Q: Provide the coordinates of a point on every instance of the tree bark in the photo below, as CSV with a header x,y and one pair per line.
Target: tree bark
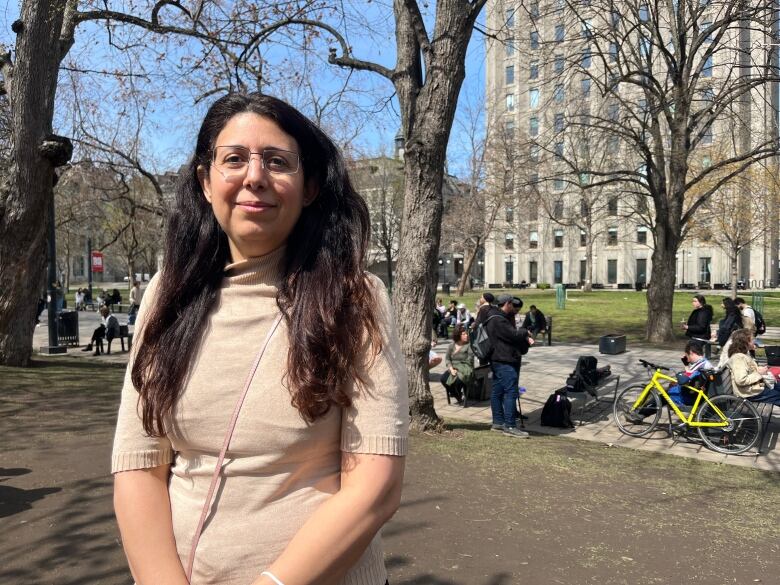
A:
x,y
28,186
467,265
660,291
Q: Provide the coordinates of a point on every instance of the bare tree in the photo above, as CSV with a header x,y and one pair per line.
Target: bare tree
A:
x,y
666,75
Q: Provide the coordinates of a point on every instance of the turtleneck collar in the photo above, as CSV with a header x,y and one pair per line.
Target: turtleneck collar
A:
x,y
266,269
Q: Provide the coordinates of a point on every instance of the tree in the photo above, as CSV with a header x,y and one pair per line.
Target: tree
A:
x,y
667,75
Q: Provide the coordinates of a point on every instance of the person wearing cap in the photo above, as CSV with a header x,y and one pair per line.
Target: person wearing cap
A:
x,y
509,346
462,316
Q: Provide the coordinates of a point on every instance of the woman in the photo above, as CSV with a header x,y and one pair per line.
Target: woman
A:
x,y
699,320
459,360
748,379
266,230
730,323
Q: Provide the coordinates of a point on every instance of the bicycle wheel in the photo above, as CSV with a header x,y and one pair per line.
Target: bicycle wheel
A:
x,y
637,421
743,430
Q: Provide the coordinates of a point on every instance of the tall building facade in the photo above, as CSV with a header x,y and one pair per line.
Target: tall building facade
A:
x,y
548,65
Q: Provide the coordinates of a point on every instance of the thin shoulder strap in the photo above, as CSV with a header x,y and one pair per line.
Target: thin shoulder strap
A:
x,y
226,443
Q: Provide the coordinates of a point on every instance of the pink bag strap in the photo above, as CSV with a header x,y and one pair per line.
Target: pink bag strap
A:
x,y
217,470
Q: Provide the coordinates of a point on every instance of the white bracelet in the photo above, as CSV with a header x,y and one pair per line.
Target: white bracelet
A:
x,y
272,577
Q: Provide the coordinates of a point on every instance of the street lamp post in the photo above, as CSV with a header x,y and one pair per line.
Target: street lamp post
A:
x,y
54,346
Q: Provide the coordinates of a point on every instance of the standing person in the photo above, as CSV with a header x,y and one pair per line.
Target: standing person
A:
x,y
459,360
730,322
535,322
509,346
135,302
483,306
264,257
79,300
699,320
748,315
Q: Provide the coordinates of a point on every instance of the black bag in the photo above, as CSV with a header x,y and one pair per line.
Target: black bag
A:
x,y
557,411
760,323
481,344
585,375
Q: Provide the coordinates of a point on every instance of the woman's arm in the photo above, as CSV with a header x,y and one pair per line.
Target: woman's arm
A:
x,y
336,535
143,511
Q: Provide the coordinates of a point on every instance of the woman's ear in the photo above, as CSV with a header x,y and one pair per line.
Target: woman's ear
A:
x,y
310,192
205,183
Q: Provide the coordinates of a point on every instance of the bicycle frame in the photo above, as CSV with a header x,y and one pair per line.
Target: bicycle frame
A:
x,y
655,382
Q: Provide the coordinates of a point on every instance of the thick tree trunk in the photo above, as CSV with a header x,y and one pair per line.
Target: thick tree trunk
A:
x,y
27,188
467,266
589,265
660,291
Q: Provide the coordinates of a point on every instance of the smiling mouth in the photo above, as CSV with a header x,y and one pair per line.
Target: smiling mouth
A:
x,y
254,205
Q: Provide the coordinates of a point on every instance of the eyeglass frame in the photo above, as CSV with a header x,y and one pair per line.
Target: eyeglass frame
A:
x,y
261,154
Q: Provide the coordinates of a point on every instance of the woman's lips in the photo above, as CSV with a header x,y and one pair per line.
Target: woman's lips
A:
x,y
254,206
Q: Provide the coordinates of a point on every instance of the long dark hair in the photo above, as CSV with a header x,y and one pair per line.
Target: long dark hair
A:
x,y
324,286
731,307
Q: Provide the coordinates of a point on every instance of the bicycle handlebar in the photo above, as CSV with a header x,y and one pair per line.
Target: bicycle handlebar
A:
x,y
647,364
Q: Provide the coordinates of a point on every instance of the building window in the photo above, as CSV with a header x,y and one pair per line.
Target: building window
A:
x,y
558,64
510,214
510,74
509,241
586,58
558,271
510,47
584,208
611,271
510,17
584,179
706,161
533,98
558,149
558,211
559,123
509,127
612,205
533,126
560,33
585,86
705,269
533,272
509,270
641,235
644,13
613,112
612,236
587,29
558,184
612,145
558,93
583,271
534,39
534,10
615,18
583,238
534,155
706,137
533,70
613,52
533,240
708,37
558,238
707,69
510,102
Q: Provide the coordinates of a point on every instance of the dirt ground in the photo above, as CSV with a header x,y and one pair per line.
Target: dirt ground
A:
x,y
479,508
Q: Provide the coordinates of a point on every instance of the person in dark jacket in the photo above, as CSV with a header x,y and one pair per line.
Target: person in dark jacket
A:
x,y
509,345
730,323
535,321
699,320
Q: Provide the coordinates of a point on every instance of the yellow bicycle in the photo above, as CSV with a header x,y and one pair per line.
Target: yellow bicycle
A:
x,y
726,423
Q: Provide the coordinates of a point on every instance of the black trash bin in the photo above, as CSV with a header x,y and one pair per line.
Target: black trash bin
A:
x,y
68,328
445,288
639,286
612,344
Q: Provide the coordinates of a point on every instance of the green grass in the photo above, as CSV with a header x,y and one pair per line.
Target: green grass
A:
x,y
588,316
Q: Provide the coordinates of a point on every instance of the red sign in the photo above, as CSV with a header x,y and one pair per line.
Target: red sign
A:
x,y
97,261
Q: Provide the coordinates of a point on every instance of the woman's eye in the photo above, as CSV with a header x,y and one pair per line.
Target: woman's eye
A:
x,y
277,162
233,159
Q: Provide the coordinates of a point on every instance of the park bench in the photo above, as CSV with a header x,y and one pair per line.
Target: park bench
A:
x,y
123,334
581,400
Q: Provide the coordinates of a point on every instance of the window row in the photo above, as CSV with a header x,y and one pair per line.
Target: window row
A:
x,y
558,236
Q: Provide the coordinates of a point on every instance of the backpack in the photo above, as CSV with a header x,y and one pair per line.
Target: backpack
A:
x,y
585,375
481,344
760,323
557,411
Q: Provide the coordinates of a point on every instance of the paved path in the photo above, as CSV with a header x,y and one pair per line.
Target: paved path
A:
x,y
545,369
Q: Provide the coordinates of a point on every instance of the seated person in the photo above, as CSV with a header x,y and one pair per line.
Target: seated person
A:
x,y
535,321
695,364
748,379
462,316
460,364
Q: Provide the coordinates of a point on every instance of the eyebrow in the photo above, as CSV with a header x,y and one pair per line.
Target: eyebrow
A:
x,y
264,148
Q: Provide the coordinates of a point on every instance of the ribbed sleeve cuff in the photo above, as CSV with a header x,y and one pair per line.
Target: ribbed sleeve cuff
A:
x,y
354,442
369,571
132,460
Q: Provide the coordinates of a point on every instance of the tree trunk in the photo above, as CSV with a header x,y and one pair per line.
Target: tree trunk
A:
x,y
589,267
467,265
27,188
733,262
427,113
660,291
389,262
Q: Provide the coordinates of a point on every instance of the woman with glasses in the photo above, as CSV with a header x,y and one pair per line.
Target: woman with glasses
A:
x,y
285,475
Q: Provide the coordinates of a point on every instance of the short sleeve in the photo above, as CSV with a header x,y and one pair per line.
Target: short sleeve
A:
x,y
133,448
378,420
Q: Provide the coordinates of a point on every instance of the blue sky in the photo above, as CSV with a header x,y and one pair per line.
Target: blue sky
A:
x,y
169,136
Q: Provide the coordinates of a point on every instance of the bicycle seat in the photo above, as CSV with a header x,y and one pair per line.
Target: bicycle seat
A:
x,y
647,364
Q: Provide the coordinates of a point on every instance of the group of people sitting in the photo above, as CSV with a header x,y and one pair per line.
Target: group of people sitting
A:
x,y
457,314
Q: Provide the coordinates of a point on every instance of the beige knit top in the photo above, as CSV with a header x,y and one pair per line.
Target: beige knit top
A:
x,y
279,468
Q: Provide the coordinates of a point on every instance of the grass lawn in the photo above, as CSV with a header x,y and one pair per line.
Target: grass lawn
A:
x,y
588,316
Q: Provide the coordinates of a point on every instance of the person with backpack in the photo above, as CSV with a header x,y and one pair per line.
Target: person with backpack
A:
x,y
508,345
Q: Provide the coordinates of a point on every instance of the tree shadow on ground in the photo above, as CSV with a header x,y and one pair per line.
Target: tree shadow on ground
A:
x,y
14,500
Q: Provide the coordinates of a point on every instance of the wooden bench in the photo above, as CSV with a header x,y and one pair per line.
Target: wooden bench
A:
x,y
123,334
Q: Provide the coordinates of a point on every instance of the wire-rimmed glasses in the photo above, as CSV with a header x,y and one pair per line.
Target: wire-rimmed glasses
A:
x,y
232,161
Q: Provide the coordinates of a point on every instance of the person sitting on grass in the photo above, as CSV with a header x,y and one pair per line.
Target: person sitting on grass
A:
x,y
460,364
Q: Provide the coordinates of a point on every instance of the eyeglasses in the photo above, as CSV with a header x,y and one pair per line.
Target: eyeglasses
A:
x,y
232,162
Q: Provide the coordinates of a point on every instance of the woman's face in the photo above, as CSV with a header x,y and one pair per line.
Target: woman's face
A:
x,y
464,336
696,303
258,212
